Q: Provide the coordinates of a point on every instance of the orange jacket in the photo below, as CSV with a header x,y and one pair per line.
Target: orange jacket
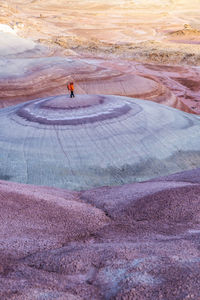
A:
x,y
70,87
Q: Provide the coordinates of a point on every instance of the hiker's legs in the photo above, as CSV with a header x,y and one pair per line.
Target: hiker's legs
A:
x,y
72,93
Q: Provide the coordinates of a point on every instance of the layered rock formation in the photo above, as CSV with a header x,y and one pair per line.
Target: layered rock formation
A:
x,y
30,70
13,46
95,140
22,79
131,241
139,241
131,29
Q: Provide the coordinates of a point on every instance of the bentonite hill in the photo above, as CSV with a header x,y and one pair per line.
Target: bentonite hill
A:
x,y
136,241
100,194
95,140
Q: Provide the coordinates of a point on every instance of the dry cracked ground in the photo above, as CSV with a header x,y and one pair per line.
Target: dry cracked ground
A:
x,y
77,219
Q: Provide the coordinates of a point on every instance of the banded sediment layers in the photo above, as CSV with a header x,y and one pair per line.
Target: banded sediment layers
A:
x,y
29,70
96,240
137,31
137,241
95,140
23,79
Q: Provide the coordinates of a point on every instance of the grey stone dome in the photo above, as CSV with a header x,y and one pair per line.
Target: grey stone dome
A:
x,y
95,140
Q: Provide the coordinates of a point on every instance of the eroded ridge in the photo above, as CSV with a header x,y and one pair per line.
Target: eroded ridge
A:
x,y
136,241
95,140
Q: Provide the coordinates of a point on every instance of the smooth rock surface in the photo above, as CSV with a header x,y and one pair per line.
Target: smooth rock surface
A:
x,y
95,140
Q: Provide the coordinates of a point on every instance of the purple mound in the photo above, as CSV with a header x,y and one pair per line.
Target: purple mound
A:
x,y
85,109
138,241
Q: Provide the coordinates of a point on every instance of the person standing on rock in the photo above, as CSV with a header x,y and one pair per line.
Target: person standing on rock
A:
x,y
70,87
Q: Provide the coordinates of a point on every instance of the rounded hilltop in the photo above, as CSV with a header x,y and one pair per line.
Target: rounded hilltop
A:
x,y
141,238
95,140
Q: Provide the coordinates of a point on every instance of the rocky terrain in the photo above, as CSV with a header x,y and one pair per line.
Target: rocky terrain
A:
x,y
132,29
110,140
130,38
117,229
